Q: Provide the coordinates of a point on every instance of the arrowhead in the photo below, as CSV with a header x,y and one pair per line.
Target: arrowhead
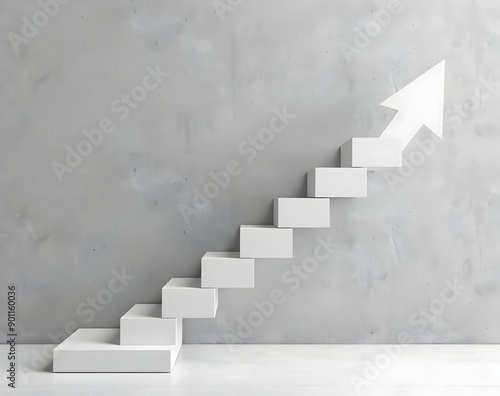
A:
x,y
423,99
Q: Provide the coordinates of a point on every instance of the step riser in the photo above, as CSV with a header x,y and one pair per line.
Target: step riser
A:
x,y
266,242
189,301
227,272
337,183
115,362
99,351
302,212
151,329
372,153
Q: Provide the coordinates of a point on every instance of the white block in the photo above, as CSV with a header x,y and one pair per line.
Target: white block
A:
x,y
265,242
337,182
99,351
302,212
144,325
184,298
227,270
372,153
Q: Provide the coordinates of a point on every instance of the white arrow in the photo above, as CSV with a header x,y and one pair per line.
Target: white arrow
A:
x,y
419,103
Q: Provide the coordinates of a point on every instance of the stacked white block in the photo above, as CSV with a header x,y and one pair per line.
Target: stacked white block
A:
x,y
302,212
185,298
261,241
143,324
372,153
337,182
99,351
227,270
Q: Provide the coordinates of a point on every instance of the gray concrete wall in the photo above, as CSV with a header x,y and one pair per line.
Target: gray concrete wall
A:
x,y
420,255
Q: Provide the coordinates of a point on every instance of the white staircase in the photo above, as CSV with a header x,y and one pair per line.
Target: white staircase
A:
x,y
150,335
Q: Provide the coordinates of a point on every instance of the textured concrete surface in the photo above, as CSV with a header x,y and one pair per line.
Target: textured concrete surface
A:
x,y
83,242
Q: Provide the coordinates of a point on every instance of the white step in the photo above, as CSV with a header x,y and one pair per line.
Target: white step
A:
x,y
143,324
185,298
372,153
227,270
99,351
302,212
337,182
263,241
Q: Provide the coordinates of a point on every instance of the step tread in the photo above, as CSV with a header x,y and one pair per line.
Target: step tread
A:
x,y
143,311
183,283
221,255
103,339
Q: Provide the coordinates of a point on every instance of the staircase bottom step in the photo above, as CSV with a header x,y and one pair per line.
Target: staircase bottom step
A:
x,y
99,351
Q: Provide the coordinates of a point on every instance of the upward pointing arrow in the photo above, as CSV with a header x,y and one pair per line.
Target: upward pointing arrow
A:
x,y
419,103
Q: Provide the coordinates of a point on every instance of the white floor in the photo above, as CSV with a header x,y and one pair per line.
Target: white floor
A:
x,y
206,370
